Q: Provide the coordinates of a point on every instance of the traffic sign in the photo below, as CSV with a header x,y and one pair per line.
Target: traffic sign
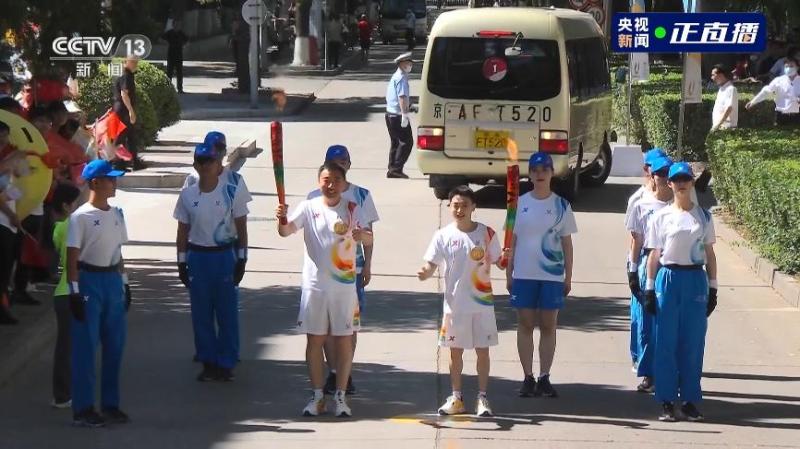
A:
x,y
598,13
254,12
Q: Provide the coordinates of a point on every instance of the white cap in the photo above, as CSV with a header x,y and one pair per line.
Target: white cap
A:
x,y
404,57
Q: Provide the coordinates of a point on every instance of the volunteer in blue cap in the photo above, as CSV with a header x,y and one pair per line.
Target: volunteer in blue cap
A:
x,y
539,274
651,202
217,141
681,291
339,155
212,254
647,185
99,296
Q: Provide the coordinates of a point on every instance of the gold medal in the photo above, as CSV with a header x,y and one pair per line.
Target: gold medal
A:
x,y
340,228
476,253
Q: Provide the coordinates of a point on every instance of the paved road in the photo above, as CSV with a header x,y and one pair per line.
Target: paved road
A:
x,y
752,371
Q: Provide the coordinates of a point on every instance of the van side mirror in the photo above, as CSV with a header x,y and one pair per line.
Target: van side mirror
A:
x,y
512,52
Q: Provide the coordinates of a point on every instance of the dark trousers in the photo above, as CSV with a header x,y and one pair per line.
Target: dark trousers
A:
x,y
175,67
8,243
335,48
787,119
127,138
32,224
410,42
401,142
62,363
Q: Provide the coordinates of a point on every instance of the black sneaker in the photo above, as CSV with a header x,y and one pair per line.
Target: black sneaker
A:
x,y
88,418
528,387
667,412
646,386
226,375
544,388
115,416
330,384
24,299
691,412
208,374
351,389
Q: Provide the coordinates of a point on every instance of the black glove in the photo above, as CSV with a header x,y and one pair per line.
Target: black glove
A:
x,y
633,283
650,302
238,272
77,305
128,297
183,273
712,301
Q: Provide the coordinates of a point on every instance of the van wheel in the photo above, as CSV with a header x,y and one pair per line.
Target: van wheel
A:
x,y
597,174
441,193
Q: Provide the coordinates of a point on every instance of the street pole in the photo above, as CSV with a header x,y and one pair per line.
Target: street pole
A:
x,y
253,66
681,108
325,31
630,83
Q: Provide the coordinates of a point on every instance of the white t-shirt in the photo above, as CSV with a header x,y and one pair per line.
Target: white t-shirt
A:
x,y
468,259
98,234
362,197
539,227
726,96
632,201
194,177
330,251
211,215
681,236
786,93
642,212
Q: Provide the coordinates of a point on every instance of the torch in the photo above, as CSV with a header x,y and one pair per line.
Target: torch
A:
x,y
512,196
277,162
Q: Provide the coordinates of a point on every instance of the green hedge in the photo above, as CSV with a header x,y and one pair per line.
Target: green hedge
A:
x,y
157,105
757,176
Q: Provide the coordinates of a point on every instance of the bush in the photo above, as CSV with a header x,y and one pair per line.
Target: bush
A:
x,y
97,97
659,115
757,176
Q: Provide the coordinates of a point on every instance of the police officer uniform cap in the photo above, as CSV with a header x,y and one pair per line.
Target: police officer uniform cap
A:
x,y
407,56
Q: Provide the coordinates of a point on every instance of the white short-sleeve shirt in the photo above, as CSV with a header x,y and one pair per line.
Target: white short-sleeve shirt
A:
x,y
363,198
98,234
211,215
642,212
194,177
726,96
467,259
539,228
632,201
680,235
330,250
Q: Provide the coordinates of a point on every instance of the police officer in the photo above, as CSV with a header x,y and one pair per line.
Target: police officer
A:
x,y
99,296
212,254
681,291
398,106
176,39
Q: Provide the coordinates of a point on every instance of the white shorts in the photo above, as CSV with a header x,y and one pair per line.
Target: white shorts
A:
x,y
329,312
469,330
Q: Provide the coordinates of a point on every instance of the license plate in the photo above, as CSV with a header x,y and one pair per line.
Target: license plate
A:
x,y
490,140
509,113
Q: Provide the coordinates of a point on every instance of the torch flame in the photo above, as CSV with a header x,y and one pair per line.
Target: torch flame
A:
x,y
279,99
513,152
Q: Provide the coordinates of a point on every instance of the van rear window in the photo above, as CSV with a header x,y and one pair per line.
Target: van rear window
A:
x,y
477,68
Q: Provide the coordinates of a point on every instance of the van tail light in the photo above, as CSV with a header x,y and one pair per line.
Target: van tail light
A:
x,y
554,142
430,138
496,33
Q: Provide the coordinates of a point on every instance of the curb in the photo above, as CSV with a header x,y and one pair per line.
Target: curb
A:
x,y
248,112
785,285
152,181
31,342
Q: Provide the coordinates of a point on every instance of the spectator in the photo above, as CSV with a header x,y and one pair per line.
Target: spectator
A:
x,y
786,89
777,69
333,28
726,107
767,59
125,100
411,24
176,39
8,224
364,37
64,201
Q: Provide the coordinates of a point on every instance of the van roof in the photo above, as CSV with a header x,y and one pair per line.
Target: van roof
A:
x,y
534,23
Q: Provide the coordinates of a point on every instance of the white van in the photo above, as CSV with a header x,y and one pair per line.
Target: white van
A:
x,y
538,76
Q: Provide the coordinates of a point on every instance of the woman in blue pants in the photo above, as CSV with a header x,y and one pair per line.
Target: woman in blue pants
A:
x,y
682,293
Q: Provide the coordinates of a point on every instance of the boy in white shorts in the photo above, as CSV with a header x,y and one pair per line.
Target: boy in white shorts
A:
x,y
332,228
467,249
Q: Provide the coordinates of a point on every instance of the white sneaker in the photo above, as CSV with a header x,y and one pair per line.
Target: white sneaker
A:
x,y
315,407
482,408
342,410
452,406
61,405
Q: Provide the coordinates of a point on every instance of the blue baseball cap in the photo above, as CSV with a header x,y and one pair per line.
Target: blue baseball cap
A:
x,y
660,163
540,159
100,168
213,138
653,154
679,169
203,150
337,152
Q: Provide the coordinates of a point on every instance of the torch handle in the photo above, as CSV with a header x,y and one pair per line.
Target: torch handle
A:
x,y
276,136
512,197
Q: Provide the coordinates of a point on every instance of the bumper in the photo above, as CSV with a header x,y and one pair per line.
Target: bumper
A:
x,y
437,163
